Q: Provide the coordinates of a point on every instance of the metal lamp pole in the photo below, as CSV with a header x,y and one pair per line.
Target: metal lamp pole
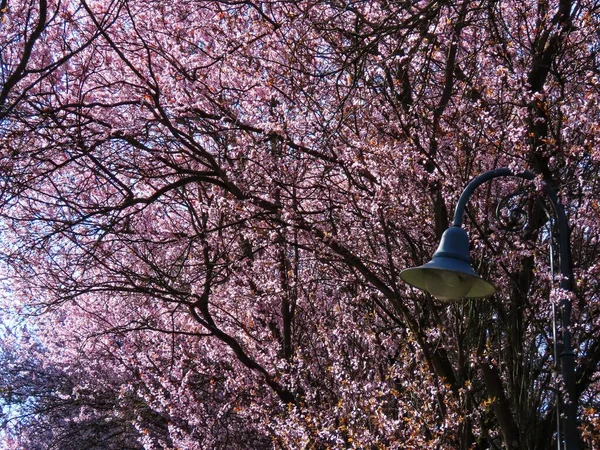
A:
x,y
450,277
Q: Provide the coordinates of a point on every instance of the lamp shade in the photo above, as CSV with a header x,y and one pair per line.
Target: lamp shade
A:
x,y
449,275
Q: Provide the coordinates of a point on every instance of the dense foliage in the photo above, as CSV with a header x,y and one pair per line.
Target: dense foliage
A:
x,y
205,207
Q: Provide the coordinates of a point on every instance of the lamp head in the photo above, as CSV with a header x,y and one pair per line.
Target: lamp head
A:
x,y
449,275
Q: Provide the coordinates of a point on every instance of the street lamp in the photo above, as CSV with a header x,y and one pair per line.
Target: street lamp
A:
x,y
450,277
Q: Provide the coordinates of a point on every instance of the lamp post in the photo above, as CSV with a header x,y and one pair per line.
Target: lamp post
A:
x,y
450,277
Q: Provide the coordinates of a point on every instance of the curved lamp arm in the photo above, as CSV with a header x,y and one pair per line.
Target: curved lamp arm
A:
x,y
459,212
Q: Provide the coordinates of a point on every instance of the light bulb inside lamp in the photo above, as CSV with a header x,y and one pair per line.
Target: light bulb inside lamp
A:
x,y
447,285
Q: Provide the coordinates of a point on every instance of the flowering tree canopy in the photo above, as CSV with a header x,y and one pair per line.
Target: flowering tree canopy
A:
x,y
205,207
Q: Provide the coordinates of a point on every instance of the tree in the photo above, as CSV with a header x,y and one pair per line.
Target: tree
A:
x,y
206,206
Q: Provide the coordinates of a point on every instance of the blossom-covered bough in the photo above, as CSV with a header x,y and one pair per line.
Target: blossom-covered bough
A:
x,y
205,208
